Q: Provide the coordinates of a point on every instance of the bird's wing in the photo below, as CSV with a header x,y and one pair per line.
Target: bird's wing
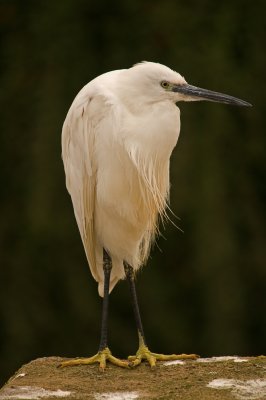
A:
x,y
78,138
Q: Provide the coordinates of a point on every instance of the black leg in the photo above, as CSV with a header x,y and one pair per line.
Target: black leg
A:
x,y
130,278
104,353
143,351
107,267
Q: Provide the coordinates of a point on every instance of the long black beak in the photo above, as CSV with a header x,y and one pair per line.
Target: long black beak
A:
x,y
196,93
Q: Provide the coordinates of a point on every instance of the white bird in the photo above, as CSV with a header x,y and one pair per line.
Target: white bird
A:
x,y
117,140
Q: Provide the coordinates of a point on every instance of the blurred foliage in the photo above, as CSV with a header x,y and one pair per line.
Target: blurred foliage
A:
x,y
203,290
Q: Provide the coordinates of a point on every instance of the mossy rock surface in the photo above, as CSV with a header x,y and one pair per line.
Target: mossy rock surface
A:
x,y
214,378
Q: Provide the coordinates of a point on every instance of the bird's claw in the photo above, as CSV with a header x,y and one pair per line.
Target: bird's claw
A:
x,y
144,353
101,357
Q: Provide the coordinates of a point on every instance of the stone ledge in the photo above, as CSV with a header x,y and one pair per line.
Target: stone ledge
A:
x,y
207,378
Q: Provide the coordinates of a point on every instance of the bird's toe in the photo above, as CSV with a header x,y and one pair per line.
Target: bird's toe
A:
x,y
101,357
144,353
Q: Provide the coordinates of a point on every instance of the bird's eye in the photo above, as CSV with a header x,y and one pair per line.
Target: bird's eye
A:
x,y
165,84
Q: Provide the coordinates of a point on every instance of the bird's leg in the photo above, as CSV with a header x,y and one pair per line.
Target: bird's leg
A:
x,y
104,353
131,280
107,268
143,352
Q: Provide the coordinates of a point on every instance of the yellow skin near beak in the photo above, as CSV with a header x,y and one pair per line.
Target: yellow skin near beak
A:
x,y
117,140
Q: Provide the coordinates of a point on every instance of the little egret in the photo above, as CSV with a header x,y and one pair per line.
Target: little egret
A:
x,y
117,140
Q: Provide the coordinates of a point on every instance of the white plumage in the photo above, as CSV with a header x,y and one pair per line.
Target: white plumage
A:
x,y
116,143
117,140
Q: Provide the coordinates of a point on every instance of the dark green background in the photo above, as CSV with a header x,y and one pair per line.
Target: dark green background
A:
x,y
203,290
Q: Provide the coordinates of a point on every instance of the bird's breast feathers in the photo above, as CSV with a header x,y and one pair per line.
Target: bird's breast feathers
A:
x,y
155,132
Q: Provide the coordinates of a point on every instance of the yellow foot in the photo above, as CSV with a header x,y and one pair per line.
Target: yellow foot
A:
x,y
144,353
101,357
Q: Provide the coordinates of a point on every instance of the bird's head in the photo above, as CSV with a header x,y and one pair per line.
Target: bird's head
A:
x,y
157,82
